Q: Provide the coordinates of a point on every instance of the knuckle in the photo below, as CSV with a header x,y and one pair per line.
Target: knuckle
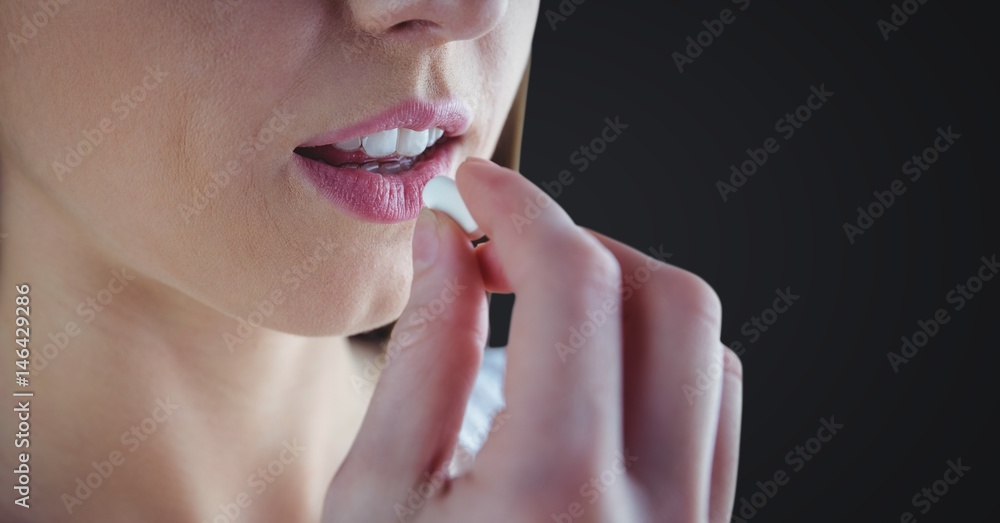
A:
x,y
733,365
695,298
585,262
553,481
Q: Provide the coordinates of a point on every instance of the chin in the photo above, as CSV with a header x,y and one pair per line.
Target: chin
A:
x,y
336,304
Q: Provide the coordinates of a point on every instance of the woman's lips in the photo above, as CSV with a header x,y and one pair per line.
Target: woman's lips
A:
x,y
377,169
365,192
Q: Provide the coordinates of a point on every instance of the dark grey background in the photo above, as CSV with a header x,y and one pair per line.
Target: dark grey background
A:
x,y
826,356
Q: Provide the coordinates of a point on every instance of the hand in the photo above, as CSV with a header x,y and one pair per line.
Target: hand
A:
x,y
622,404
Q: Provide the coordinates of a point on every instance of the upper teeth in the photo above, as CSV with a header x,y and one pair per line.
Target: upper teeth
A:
x,y
405,142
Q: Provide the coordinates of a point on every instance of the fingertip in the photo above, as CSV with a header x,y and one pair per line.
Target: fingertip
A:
x,y
475,161
479,169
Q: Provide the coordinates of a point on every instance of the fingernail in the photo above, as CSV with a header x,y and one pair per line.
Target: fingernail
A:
x,y
476,159
426,240
476,163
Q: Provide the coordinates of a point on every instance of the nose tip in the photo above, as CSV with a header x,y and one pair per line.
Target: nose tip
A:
x,y
436,21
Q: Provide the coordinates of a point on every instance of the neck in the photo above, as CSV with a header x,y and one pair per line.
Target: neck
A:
x,y
151,406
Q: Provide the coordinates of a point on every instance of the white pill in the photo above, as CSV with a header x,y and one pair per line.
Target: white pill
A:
x,y
441,194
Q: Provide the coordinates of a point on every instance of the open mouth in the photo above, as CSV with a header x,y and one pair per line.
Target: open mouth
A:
x,y
376,169
389,152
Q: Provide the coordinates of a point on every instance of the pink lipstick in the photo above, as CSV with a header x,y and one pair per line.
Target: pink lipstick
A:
x,y
377,169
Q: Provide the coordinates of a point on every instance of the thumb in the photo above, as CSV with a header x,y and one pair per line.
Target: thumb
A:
x,y
412,424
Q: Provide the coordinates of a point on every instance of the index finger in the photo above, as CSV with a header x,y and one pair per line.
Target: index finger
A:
x,y
564,350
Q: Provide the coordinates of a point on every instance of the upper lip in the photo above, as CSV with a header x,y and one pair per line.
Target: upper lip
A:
x,y
452,116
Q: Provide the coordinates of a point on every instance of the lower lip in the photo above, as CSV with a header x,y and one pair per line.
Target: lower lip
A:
x,y
379,198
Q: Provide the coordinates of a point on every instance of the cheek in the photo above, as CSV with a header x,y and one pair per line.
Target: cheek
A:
x,y
502,57
174,158
122,122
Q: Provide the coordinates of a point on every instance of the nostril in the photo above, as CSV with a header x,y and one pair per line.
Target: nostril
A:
x,y
414,25
428,22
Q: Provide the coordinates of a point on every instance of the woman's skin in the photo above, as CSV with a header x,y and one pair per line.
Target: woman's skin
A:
x,y
143,374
